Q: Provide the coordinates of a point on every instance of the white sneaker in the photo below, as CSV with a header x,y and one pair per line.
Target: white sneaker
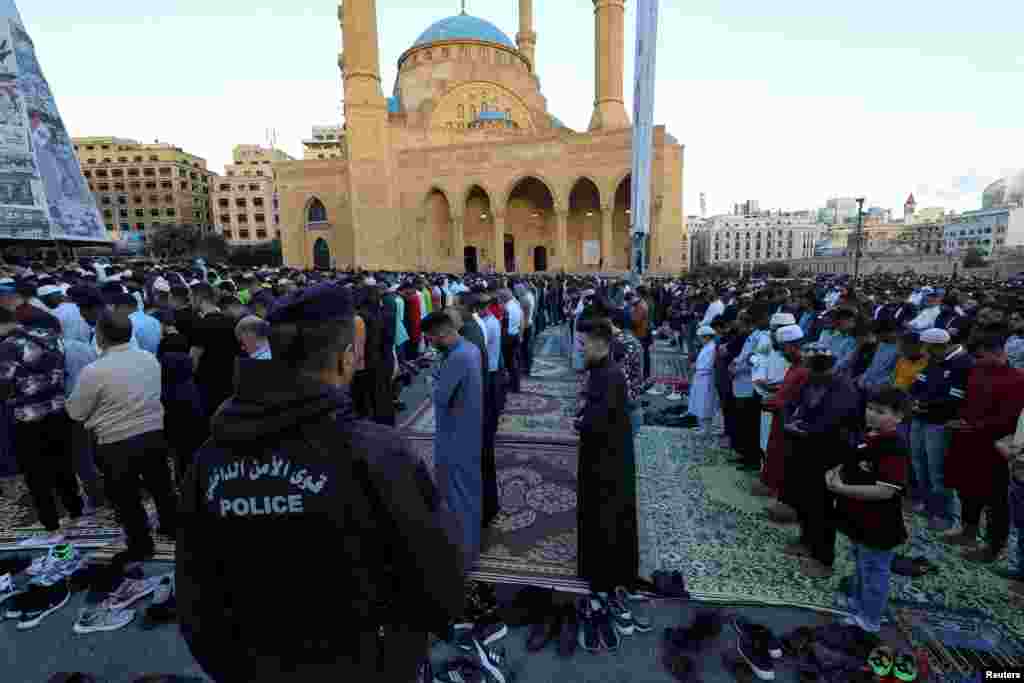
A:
x,y
7,588
103,619
54,568
42,540
656,390
674,396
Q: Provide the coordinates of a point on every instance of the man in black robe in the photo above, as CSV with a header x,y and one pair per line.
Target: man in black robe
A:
x,y
608,551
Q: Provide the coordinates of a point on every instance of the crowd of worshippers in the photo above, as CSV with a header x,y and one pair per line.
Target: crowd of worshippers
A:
x,y
102,361
858,401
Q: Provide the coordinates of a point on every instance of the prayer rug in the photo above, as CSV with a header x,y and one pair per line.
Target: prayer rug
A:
x,y
728,553
526,414
533,539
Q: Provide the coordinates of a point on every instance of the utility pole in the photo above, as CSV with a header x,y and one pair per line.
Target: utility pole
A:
x,y
860,235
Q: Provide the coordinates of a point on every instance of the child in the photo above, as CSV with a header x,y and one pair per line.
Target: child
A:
x,y
868,489
703,394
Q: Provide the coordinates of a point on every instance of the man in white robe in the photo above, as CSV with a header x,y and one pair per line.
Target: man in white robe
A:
x,y
703,394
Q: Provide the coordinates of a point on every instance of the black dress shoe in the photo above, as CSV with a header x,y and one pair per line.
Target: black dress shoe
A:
x,y
543,633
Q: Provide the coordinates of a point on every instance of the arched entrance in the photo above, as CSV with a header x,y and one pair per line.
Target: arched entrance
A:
x,y
540,259
436,242
583,231
470,259
321,254
478,227
531,222
622,240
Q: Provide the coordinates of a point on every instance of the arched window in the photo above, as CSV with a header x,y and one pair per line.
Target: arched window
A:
x,y
316,213
462,112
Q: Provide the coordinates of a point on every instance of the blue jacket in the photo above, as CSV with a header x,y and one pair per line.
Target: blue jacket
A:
x,y
942,387
832,410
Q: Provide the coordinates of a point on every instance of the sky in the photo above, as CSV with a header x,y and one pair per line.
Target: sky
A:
x,y
787,102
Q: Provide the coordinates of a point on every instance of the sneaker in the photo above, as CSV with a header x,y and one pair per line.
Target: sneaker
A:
x,y
46,601
7,589
459,670
656,390
881,661
131,591
754,652
620,616
587,634
674,396
493,663
748,629
904,667
59,563
640,623
103,619
606,631
488,634
42,540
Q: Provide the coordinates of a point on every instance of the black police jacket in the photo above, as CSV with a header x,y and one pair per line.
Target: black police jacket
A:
x,y
304,533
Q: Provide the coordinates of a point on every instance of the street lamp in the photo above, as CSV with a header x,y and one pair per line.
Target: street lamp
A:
x,y
857,244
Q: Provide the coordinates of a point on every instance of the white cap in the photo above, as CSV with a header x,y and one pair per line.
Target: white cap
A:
x,y
782,319
788,334
161,285
47,290
935,336
706,331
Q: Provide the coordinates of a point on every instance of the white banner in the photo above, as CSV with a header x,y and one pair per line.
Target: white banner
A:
x,y
591,252
643,112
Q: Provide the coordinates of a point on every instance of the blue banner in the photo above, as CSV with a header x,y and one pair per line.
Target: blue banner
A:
x,y
643,127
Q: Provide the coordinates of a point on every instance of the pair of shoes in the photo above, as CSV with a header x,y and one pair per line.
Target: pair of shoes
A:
x,y
467,636
751,631
596,631
58,564
670,585
981,555
796,549
37,603
755,652
131,591
813,569
103,619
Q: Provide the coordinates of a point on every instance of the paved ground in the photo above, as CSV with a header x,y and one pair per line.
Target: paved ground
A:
x,y
123,656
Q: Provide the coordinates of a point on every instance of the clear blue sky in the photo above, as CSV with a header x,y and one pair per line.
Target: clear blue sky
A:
x,y
787,102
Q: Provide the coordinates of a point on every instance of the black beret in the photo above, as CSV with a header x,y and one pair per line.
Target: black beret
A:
x,y
322,302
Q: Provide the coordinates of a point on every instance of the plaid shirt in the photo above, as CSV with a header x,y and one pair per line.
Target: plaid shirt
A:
x,y
32,373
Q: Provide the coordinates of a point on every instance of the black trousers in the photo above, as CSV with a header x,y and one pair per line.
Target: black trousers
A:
x,y
510,353
527,351
129,466
44,457
748,429
815,505
998,527
647,343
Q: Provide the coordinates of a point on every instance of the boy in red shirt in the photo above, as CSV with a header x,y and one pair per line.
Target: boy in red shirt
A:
x,y
869,489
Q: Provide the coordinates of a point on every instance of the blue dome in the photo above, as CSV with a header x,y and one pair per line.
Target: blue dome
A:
x,y
464,26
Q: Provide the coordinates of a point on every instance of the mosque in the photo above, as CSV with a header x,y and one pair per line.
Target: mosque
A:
x,y
464,168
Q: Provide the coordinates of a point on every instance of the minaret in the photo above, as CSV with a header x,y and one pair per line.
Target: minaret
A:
x,y
909,207
526,39
366,110
609,64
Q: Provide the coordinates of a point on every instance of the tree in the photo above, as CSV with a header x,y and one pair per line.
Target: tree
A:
x,y
174,241
974,258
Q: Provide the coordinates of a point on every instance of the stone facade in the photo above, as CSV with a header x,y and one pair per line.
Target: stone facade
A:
x,y
464,168
746,240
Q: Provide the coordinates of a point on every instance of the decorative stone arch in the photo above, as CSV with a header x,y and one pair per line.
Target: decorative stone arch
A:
x,y
475,229
436,232
476,183
442,190
311,203
576,181
610,191
556,198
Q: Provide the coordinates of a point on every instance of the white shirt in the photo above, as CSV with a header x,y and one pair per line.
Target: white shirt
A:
x,y
716,309
72,324
515,316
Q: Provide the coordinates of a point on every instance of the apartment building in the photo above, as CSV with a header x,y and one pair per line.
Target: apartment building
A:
x,y
246,206
326,142
139,187
753,239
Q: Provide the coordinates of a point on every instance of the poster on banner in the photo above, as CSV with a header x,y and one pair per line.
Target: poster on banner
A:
x,y
591,252
43,194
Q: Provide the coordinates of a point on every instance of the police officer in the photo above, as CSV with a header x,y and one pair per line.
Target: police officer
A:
x,y
311,546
